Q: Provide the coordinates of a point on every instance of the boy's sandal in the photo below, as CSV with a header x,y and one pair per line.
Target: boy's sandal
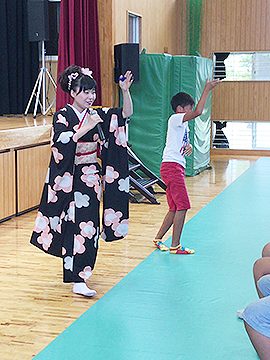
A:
x,y
160,245
181,250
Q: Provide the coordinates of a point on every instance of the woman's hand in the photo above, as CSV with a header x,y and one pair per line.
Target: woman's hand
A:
x,y
91,120
126,81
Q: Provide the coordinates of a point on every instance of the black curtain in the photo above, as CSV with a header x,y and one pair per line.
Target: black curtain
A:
x,y
19,62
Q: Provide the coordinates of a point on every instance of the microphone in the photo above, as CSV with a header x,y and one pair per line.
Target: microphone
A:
x,y
99,128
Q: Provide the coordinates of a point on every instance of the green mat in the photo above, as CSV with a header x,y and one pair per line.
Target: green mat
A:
x,y
183,307
161,77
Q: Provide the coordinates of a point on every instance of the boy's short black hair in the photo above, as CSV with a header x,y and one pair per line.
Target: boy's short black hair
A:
x,y
182,99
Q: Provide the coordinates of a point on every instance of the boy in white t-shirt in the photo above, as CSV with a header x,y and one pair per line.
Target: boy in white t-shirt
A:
x,y
173,166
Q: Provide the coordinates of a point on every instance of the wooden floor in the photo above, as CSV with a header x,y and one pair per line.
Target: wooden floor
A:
x,y
37,306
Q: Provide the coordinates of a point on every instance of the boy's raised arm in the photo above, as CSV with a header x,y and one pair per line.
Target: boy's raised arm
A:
x,y
210,84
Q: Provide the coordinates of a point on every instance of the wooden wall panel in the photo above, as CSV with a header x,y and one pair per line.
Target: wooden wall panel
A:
x,y
105,10
230,25
241,100
163,29
161,24
32,164
7,184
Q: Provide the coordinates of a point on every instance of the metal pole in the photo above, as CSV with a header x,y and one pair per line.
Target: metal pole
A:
x,y
41,80
43,110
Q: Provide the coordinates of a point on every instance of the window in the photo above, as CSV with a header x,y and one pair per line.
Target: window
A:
x,y
134,28
242,135
243,66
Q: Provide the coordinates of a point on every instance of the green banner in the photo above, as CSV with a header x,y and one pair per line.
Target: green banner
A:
x,y
194,19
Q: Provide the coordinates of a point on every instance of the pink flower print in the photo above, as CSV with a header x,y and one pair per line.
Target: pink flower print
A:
x,y
99,192
68,263
59,226
64,251
54,222
47,176
62,120
96,238
81,200
78,247
90,177
45,239
41,223
52,136
56,155
71,212
64,137
113,123
121,228
52,197
95,137
111,217
110,174
120,135
87,229
86,273
64,182
124,184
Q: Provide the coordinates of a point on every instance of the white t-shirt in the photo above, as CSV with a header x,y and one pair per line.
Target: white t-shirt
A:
x,y
177,139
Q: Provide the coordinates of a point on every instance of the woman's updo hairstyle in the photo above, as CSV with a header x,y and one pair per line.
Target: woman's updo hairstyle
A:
x,y
74,77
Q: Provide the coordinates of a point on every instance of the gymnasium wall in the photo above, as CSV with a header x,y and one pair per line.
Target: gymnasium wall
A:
x,y
105,9
242,100
230,25
161,24
163,30
241,25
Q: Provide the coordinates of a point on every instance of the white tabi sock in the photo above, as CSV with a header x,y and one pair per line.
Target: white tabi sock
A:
x,y
82,289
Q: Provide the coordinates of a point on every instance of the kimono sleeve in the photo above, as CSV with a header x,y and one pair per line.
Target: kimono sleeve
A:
x,y
112,119
115,177
62,144
58,188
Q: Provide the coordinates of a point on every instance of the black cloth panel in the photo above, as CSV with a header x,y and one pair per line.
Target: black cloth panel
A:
x,y
19,59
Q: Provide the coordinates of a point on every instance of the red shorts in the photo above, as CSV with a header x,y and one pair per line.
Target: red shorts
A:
x,y
173,175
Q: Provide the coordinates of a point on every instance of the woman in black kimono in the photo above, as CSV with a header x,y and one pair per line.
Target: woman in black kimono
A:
x,y
68,223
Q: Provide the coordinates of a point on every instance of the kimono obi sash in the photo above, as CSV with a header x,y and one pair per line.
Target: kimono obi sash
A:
x,y
86,153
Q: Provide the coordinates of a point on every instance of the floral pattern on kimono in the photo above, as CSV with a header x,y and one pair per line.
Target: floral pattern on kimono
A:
x,y
67,224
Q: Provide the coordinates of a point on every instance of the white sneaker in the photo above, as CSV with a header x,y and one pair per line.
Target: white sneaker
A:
x,y
239,314
82,289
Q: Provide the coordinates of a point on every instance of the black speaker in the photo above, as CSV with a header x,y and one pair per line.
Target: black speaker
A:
x,y
126,57
38,20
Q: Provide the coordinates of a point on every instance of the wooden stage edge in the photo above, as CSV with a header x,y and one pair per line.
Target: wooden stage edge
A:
x,y
24,141
22,131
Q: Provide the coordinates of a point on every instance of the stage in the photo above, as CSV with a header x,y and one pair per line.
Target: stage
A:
x,y
24,155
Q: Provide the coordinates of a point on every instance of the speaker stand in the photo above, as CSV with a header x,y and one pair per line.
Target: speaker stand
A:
x,y
41,81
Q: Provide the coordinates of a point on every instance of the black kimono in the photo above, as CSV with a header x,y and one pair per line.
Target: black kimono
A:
x,y
68,223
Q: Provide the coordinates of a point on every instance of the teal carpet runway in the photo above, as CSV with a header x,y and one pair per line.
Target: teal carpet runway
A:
x,y
183,307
